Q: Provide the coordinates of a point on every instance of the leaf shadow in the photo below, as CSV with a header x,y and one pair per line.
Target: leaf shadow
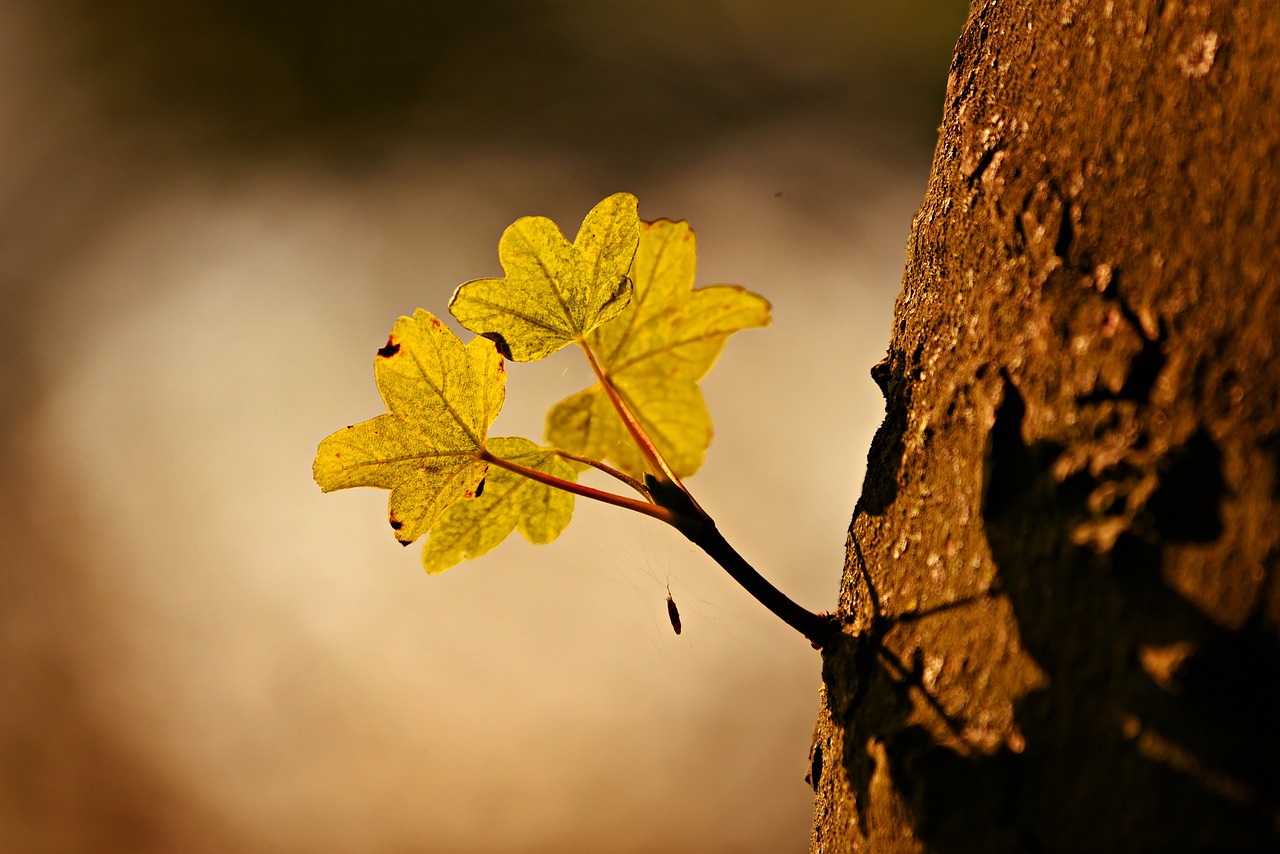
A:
x,y
1155,727
869,689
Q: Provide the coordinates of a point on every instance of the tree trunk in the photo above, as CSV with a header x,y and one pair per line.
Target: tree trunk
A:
x,y
1061,593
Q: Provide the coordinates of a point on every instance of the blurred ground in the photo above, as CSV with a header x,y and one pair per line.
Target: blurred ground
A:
x,y
211,212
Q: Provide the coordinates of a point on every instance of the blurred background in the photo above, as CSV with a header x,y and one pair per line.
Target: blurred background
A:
x,y
211,214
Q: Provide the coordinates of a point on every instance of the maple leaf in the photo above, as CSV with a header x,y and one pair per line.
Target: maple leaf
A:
x,y
654,353
441,398
554,293
508,501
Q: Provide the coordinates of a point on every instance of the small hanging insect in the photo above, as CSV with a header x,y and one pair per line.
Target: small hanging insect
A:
x,y
672,611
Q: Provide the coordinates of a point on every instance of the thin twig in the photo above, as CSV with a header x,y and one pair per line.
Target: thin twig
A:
x,y
818,628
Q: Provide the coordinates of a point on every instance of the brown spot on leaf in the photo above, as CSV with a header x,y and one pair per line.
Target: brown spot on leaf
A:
x,y
480,487
393,347
396,523
499,342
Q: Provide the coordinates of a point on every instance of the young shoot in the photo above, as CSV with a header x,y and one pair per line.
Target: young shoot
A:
x,y
623,293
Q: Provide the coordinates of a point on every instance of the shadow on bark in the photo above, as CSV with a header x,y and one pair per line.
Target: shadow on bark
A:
x,y
880,486
1156,725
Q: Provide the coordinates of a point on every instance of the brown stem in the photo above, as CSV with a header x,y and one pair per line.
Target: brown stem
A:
x,y
607,469
818,628
660,513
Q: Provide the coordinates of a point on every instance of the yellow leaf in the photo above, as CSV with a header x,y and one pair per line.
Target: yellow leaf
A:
x,y
554,293
508,502
655,352
441,398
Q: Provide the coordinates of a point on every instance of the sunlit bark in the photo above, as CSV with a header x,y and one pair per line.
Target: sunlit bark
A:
x,y
1065,635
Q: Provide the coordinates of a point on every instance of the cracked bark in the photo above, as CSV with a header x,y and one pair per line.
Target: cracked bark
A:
x,y
1065,634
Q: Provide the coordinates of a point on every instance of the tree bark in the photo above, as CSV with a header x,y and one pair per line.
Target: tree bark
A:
x,y
1061,595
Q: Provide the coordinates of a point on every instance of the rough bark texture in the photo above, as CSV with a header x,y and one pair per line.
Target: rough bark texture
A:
x,y
1071,517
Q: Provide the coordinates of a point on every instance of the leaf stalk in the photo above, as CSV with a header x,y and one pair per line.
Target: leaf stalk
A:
x,y
662,514
662,470
606,468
